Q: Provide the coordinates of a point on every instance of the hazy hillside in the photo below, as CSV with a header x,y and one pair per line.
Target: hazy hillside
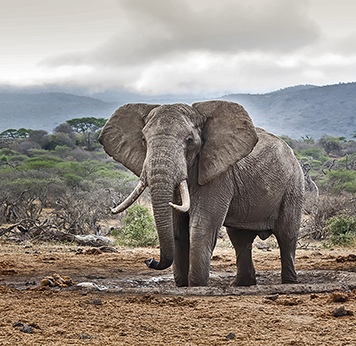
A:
x,y
47,110
295,111
304,110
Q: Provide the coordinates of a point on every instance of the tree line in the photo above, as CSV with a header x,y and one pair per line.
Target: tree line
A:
x,y
62,181
66,180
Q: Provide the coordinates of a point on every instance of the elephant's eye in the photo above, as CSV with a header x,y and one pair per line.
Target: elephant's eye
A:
x,y
143,141
189,140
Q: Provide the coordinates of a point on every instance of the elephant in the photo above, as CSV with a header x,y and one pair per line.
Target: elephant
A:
x,y
208,166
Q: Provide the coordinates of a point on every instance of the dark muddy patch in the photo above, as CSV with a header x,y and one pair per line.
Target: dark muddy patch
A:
x,y
313,281
268,282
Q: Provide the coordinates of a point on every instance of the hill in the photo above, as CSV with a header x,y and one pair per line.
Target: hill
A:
x,y
294,111
44,111
304,110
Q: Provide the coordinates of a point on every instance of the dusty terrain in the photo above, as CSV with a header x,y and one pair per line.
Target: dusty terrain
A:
x,y
124,303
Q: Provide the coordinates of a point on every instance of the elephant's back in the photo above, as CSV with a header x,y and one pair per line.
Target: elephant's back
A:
x,y
273,154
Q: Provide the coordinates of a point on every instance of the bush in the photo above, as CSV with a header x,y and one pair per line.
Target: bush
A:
x,y
342,181
341,230
318,210
315,153
138,229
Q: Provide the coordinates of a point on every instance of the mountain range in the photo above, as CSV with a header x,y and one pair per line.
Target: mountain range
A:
x,y
294,111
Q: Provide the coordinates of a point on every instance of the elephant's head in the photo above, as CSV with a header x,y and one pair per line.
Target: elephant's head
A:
x,y
162,144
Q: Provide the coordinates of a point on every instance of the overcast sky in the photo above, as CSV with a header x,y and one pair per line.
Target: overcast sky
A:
x,y
178,46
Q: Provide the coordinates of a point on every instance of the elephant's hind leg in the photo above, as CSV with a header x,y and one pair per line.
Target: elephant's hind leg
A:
x,y
287,242
286,232
242,241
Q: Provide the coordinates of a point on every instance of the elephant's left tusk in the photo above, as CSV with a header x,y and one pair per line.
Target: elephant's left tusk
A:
x,y
184,191
130,199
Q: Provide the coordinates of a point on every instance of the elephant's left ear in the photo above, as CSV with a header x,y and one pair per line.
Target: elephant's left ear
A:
x,y
228,134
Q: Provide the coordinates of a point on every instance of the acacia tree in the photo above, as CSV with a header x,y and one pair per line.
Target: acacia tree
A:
x,y
13,133
331,144
88,127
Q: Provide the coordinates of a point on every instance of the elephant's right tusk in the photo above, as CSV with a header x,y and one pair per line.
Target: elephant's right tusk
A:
x,y
136,193
184,191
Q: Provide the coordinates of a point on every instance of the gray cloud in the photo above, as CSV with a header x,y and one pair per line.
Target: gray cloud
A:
x,y
160,29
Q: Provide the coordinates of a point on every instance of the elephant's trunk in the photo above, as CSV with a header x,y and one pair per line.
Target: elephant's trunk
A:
x,y
164,223
162,175
161,196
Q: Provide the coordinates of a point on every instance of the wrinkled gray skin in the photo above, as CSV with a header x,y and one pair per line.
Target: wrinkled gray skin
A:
x,y
239,176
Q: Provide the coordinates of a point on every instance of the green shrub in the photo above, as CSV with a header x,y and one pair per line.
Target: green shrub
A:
x,y
72,180
315,153
41,162
138,229
341,230
17,158
340,180
8,152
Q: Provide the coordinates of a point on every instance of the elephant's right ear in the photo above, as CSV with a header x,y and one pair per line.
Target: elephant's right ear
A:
x,y
121,136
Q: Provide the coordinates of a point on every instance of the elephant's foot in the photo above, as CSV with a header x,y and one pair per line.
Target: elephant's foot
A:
x,y
289,281
180,281
238,281
289,276
198,284
181,284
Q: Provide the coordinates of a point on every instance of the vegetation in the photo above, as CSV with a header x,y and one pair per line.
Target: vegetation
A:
x,y
138,228
59,180
342,231
66,180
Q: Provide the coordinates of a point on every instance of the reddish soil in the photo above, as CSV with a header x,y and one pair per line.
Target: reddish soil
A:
x,y
125,303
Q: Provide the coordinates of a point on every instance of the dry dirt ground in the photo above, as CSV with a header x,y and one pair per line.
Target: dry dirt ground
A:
x,y
121,302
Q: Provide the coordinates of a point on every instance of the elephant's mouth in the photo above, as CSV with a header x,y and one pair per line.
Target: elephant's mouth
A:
x,y
136,193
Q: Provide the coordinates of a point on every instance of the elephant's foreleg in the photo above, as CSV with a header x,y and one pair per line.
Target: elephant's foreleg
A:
x,y
203,236
242,241
181,244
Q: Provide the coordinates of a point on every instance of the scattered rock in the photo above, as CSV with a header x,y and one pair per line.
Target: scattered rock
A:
x,y
26,329
341,311
57,280
272,297
107,249
89,285
95,302
230,336
17,324
92,240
